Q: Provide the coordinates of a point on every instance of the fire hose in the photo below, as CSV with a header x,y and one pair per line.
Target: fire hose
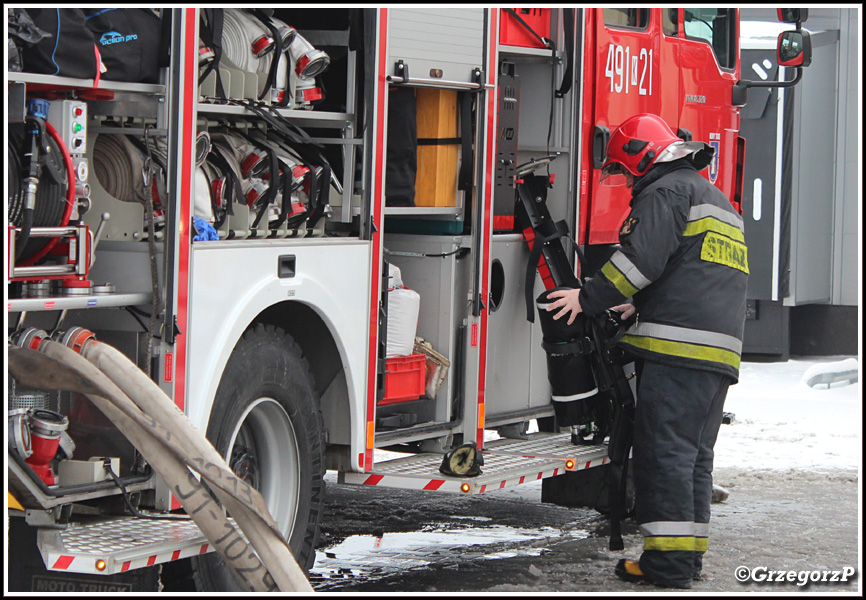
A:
x,y
247,44
54,188
257,42
177,451
127,173
118,166
271,180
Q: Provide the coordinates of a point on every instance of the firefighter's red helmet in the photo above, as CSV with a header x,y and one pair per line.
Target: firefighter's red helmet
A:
x,y
636,144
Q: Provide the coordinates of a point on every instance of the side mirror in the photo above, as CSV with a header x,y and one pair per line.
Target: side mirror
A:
x,y
792,15
794,49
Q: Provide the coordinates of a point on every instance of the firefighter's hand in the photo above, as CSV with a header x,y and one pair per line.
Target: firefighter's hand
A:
x,y
568,301
625,310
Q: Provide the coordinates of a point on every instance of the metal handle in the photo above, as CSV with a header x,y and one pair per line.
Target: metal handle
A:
x,y
96,237
439,83
401,75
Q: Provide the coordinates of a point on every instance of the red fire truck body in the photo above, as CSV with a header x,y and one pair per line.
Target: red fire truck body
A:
x,y
674,72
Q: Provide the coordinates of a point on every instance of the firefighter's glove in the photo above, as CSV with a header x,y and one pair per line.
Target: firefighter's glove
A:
x,y
622,317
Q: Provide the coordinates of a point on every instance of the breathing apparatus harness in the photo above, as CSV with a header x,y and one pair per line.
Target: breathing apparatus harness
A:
x,y
585,365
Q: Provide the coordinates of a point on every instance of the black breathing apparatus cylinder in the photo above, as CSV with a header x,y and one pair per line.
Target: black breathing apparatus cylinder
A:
x,y
575,395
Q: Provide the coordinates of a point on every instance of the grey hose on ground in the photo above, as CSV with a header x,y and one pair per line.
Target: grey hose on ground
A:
x,y
58,367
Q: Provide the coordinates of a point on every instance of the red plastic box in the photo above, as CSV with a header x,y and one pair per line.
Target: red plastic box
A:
x,y
405,378
512,33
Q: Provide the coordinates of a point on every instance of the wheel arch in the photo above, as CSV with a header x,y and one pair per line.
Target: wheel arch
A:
x,y
322,305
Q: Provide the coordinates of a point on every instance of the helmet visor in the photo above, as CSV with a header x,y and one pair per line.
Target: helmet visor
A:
x,y
613,175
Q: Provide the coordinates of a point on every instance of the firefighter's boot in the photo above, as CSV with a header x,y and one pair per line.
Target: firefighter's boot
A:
x,y
629,570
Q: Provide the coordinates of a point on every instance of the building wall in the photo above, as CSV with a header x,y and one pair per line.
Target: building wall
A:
x,y
847,268
826,195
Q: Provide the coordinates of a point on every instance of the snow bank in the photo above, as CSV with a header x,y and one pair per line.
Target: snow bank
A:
x,y
783,423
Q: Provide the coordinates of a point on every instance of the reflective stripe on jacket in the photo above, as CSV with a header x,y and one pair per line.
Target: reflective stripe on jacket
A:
x,y
683,260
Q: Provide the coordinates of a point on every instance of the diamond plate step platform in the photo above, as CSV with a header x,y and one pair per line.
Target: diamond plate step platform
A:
x,y
119,544
507,463
552,445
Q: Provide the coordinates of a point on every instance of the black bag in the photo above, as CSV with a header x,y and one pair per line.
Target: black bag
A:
x,y
131,43
70,51
401,162
22,34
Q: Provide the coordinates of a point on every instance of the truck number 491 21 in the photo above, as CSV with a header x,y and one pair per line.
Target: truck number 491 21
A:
x,y
626,71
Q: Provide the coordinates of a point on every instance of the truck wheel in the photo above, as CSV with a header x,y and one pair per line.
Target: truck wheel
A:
x,y
266,422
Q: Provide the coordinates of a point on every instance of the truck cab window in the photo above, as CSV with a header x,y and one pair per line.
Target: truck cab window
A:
x,y
717,27
637,18
670,21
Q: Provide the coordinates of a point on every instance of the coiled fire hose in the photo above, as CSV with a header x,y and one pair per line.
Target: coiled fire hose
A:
x,y
259,43
203,202
127,175
55,195
117,165
176,450
248,45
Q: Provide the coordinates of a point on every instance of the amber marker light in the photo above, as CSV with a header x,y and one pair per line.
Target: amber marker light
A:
x,y
569,464
465,488
100,565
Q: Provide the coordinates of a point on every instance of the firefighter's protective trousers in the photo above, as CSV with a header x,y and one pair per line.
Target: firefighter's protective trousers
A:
x,y
677,419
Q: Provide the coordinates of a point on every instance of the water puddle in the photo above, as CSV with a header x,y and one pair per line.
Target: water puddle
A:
x,y
366,557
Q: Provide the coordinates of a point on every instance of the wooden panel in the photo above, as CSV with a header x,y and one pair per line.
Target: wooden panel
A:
x,y
436,181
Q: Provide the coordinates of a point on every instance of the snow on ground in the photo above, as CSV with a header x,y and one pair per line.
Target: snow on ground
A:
x,y
780,422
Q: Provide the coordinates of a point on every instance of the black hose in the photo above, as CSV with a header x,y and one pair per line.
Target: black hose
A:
x,y
24,236
15,202
51,194
35,133
135,512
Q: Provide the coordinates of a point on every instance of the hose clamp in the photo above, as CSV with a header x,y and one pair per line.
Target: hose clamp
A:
x,y
19,432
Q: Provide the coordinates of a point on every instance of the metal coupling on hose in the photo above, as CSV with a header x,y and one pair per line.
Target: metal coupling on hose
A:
x,y
28,338
76,338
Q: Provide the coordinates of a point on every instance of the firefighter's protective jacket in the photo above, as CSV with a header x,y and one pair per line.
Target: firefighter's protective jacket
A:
x,y
683,259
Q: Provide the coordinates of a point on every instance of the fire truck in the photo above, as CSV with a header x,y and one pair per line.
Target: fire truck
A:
x,y
304,226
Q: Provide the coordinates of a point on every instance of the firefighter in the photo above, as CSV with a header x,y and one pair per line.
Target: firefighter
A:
x,y
682,266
